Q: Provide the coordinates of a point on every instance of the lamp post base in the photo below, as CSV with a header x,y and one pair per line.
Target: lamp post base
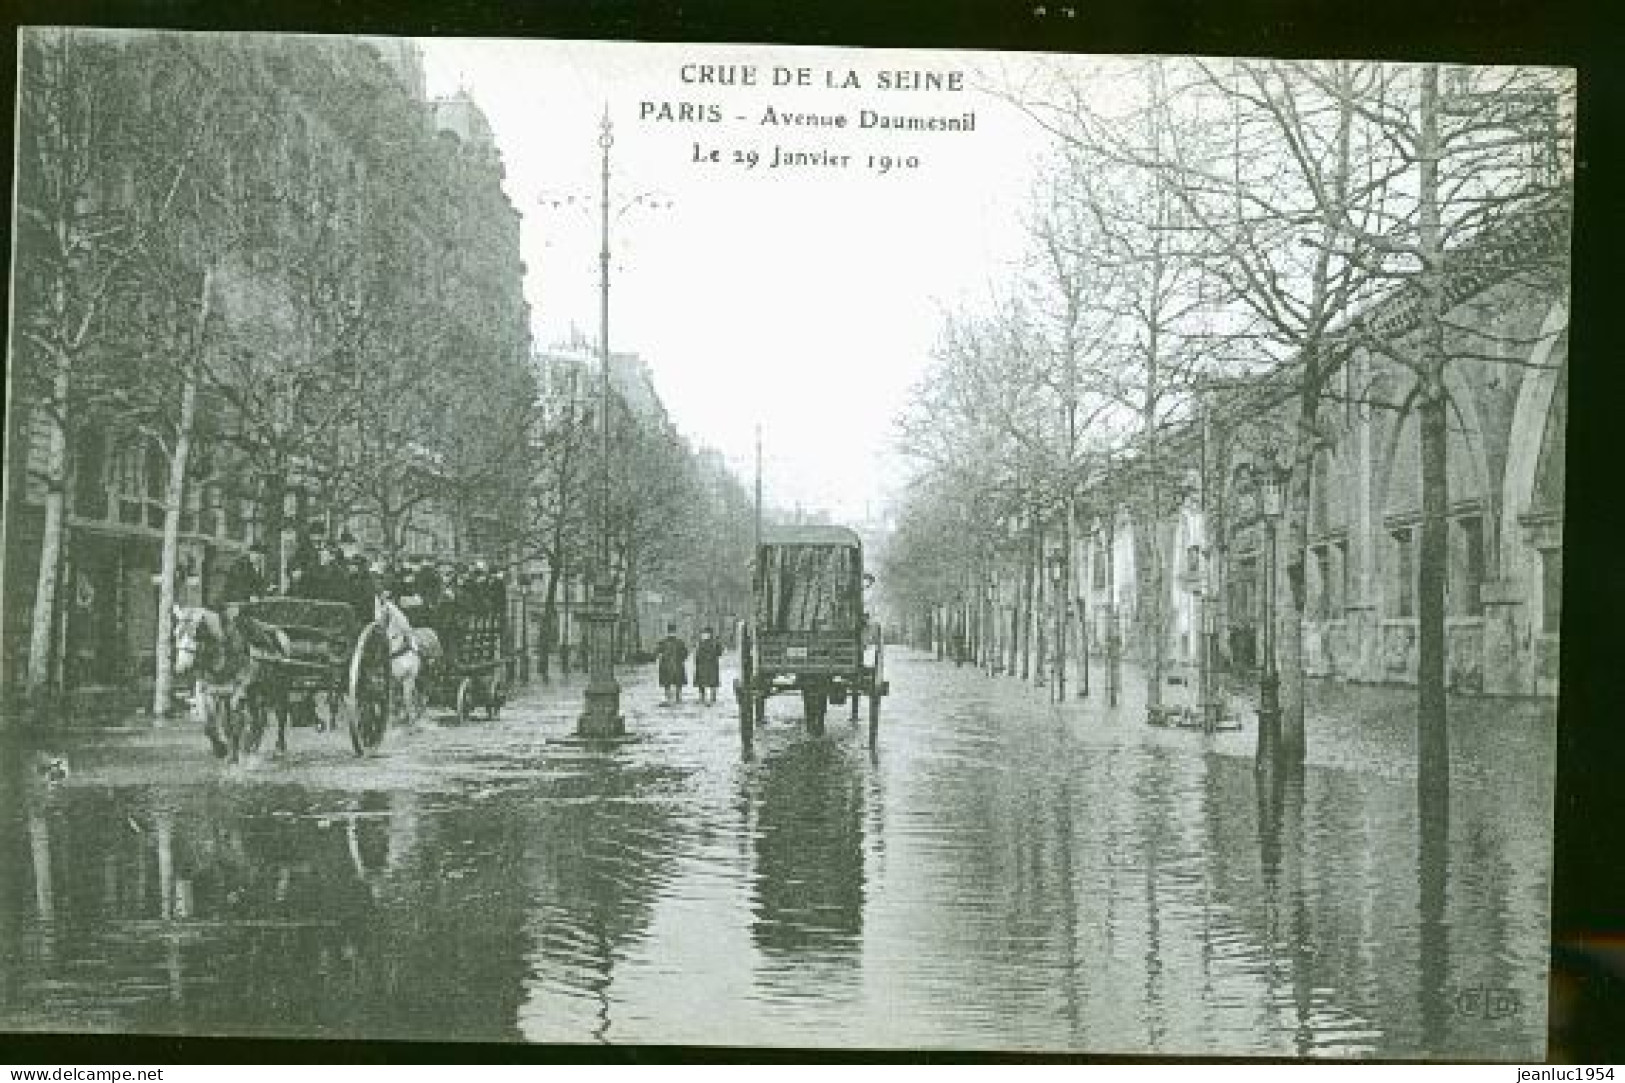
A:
x,y
601,711
601,716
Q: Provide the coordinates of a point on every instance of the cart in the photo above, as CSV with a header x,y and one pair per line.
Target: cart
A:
x,y
809,633
327,650
473,671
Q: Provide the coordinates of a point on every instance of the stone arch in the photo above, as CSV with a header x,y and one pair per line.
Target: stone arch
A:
x,y
1529,421
1467,426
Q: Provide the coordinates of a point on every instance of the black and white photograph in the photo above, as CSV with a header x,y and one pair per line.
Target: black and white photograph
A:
x,y
586,542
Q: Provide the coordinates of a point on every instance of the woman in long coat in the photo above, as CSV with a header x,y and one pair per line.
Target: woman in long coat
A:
x,y
672,654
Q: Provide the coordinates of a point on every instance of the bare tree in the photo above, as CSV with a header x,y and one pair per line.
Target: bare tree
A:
x,y
1157,300
73,243
1476,152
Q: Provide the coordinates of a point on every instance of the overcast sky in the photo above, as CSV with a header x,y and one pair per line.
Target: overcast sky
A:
x,y
805,300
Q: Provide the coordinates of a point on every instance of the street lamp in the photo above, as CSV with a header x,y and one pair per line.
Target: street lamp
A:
x,y
1268,483
601,712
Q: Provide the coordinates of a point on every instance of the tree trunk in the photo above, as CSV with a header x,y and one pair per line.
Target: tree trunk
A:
x,y
1029,576
1293,554
52,542
174,502
1062,602
550,617
275,489
1114,641
1148,561
1433,744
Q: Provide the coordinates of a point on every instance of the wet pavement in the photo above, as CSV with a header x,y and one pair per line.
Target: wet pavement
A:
x,y
999,873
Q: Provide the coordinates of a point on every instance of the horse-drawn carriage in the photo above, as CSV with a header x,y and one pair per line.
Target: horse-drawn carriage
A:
x,y
284,657
327,650
809,632
472,670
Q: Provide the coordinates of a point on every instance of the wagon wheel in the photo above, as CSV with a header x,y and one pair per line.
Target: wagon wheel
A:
x,y
253,727
814,702
465,700
495,695
370,690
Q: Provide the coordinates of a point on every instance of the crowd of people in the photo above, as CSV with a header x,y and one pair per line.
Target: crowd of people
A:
x,y
338,570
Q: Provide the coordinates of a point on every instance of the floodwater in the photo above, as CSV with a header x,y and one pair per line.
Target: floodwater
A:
x,y
997,874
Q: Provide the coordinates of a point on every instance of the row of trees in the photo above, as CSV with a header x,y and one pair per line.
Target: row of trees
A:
x,y
679,522
1207,225
254,255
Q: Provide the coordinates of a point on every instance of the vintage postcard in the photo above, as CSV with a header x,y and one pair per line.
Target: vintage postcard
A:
x,y
595,542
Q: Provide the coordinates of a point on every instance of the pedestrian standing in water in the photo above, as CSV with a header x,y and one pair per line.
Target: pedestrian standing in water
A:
x,y
707,657
672,654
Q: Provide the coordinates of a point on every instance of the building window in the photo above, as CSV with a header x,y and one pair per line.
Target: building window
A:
x,y
209,517
1325,607
236,521
1320,491
190,509
90,476
1340,576
1243,595
1551,591
1402,592
130,483
1467,567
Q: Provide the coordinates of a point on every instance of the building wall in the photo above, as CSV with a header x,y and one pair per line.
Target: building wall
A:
x,y
107,600
1505,479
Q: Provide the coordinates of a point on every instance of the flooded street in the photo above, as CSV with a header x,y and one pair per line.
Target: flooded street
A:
x,y
997,874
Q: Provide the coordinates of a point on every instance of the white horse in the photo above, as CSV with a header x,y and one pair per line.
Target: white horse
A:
x,y
411,652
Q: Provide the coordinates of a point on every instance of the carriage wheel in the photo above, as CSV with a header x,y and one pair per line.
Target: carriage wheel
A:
x,y
495,695
371,691
465,701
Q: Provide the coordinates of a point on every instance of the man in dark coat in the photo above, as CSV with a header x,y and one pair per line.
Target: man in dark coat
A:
x,y
302,569
327,580
245,581
363,589
707,659
429,585
672,653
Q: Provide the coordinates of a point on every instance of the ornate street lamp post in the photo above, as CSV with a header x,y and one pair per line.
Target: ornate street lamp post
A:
x,y
601,713
599,617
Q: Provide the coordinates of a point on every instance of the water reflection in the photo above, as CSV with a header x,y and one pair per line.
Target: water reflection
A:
x,y
207,911
807,836
600,847
1000,876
